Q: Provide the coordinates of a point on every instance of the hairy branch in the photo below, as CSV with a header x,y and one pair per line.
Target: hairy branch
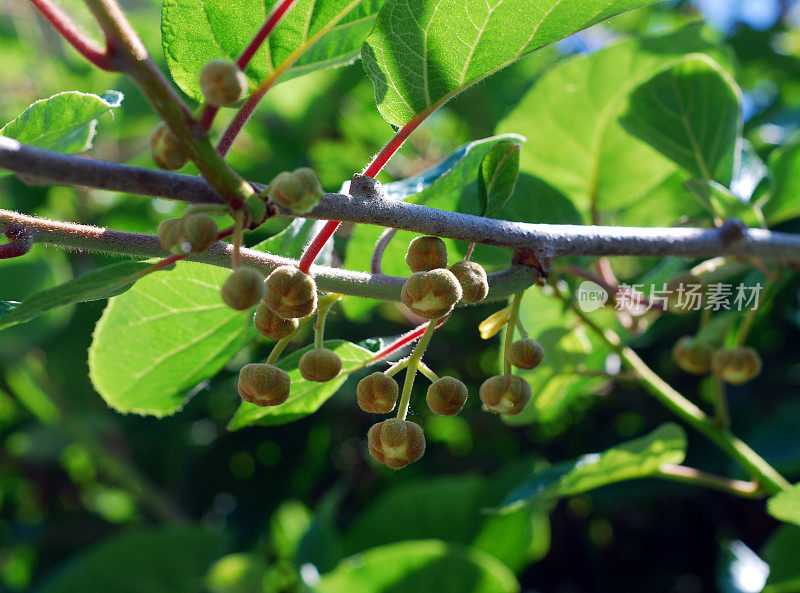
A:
x,y
367,204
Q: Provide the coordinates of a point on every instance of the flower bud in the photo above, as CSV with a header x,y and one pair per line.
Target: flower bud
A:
x,y
679,290
243,288
222,83
426,253
692,355
737,365
291,293
446,396
170,233
472,278
505,394
396,442
264,384
320,364
299,191
272,326
431,294
199,231
525,354
377,393
166,149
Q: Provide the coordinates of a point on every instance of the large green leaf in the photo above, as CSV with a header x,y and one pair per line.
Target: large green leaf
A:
x,y
497,176
65,122
98,284
781,553
784,200
785,505
422,53
330,32
691,113
639,458
170,560
306,397
162,337
572,115
420,565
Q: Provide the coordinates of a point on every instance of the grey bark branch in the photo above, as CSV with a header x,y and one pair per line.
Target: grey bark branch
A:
x,y
368,205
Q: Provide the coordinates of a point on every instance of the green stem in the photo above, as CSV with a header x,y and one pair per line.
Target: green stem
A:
x,y
768,478
281,344
426,370
396,368
322,313
412,367
695,477
511,325
722,416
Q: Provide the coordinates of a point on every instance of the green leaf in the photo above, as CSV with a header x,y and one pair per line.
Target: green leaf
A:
x,y
171,560
313,34
631,460
784,200
98,284
595,161
497,176
306,397
65,122
785,506
422,53
781,552
162,337
420,565
6,308
691,113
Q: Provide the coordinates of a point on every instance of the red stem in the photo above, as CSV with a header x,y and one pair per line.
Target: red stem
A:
x,y
241,117
209,111
403,340
87,47
312,251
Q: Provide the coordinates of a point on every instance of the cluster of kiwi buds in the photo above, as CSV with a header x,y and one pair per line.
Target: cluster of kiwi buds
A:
x,y
509,394
731,365
433,290
192,233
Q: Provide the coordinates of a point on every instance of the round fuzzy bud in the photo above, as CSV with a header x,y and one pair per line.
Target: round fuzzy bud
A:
x,y
684,292
396,442
199,231
170,233
243,288
270,325
446,396
166,150
222,83
431,294
473,281
291,293
320,364
737,365
505,394
377,393
264,384
299,191
426,253
525,354
692,356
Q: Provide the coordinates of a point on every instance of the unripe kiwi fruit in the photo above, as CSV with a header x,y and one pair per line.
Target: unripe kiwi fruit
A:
x,y
264,384
446,396
299,191
377,393
426,253
243,288
692,355
272,326
677,290
170,233
736,365
505,394
199,231
431,294
472,278
291,293
320,364
222,83
525,354
166,149
395,442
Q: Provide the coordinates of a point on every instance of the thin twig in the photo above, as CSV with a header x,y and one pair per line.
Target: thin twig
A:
x,y
380,247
